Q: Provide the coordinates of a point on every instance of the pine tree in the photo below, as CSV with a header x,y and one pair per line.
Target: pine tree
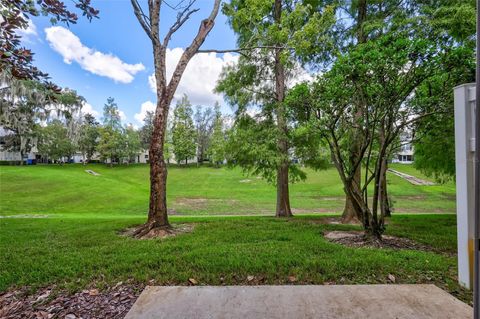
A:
x,y
183,131
216,150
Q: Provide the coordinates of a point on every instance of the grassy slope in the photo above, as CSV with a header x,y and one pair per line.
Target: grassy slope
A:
x,y
124,190
78,245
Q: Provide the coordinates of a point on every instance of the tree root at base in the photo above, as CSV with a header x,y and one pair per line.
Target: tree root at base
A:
x,y
150,230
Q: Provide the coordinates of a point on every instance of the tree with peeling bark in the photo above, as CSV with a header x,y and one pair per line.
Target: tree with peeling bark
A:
x,y
165,89
270,30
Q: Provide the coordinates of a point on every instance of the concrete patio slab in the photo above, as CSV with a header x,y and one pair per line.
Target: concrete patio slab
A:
x,y
320,302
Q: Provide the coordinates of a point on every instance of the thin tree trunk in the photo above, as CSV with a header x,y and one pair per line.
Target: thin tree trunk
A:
x,y
283,197
350,214
387,211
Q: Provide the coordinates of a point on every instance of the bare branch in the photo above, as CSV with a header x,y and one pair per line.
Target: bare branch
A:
x,y
241,50
182,17
142,18
203,31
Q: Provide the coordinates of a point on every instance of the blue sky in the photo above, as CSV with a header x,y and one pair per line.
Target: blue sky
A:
x,y
112,56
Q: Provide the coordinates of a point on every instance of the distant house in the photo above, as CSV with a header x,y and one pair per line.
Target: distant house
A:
x,y
404,154
13,156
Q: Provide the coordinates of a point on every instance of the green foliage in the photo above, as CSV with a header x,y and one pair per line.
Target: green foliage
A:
x,y
183,131
111,115
146,130
216,151
54,141
252,146
89,136
435,135
111,145
255,142
132,143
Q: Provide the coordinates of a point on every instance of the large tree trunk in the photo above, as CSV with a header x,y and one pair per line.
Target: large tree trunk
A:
x,y
157,214
283,196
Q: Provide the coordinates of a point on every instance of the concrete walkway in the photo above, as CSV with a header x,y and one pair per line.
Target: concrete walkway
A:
x,y
411,179
320,302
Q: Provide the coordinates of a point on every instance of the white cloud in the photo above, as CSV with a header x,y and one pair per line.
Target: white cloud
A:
x,y
144,108
200,77
88,108
298,75
123,117
29,33
71,48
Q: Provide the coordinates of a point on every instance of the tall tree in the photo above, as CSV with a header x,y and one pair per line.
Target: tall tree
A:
x,y
132,144
111,115
216,150
183,132
54,142
111,144
434,142
165,89
270,29
380,79
89,135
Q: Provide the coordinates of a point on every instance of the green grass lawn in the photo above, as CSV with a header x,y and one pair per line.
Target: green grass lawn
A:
x,y
78,244
191,191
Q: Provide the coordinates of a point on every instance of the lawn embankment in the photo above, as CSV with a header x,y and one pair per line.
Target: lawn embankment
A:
x,y
123,190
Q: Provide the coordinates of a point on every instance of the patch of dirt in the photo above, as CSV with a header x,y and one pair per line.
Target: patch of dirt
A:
x,y
175,230
199,202
411,197
358,239
312,211
46,303
330,221
245,181
172,211
424,210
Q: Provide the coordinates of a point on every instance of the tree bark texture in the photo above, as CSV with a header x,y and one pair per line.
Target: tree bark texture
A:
x,y
283,197
157,213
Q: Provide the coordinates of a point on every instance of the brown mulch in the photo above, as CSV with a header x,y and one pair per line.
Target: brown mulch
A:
x,y
358,239
46,303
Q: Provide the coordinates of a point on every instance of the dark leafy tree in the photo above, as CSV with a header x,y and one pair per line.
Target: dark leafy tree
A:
x,y
15,15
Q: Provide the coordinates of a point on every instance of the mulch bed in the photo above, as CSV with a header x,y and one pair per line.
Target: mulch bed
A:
x,y
358,239
46,303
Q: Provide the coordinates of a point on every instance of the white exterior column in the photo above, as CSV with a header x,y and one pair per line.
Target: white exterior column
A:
x,y
464,96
